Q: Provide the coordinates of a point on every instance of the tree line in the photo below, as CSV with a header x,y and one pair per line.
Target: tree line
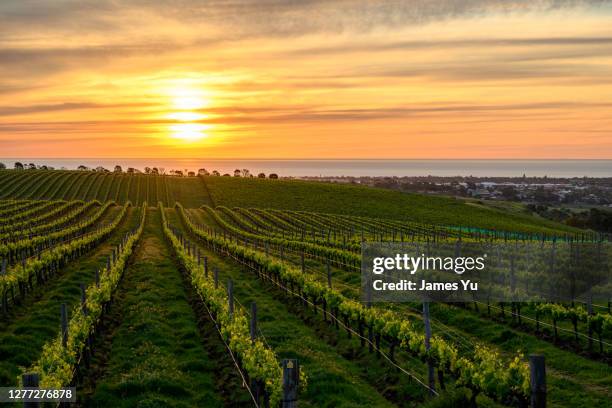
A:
x,y
147,170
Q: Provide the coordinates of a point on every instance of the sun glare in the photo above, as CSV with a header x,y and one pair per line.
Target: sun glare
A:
x,y
189,132
186,100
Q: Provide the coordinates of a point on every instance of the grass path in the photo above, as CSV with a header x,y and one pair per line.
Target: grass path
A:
x,y
151,352
26,329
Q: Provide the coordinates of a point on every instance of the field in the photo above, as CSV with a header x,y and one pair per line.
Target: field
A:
x,y
203,291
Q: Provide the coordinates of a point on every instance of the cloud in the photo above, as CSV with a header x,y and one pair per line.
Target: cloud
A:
x,y
261,17
68,106
378,47
238,117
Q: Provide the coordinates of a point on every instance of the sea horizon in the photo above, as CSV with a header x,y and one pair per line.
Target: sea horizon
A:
x,y
352,167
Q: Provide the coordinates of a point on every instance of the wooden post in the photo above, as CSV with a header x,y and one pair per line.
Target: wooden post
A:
x,y
537,370
206,266
230,297
97,278
368,290
253,325
302,262
329,277
3,271
30,380
64,324
430,367
216,276
291,381
83,299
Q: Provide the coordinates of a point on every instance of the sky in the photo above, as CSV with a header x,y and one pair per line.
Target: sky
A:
x,y
306,79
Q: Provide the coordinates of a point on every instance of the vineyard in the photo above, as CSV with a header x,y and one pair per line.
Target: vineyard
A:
x,y
144,290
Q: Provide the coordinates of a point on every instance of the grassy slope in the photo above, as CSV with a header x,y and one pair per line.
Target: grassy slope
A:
x,y
365,201
298,195
88,186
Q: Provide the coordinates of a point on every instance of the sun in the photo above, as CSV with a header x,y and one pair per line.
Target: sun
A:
x,y
189,132
186,101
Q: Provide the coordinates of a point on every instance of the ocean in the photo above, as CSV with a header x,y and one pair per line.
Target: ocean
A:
x,y
374,167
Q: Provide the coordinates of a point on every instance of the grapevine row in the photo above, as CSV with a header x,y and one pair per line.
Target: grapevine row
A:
x,y
60,357
29,246
48,262
258,361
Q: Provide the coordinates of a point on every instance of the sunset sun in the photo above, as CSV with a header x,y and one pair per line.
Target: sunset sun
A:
x,y
186,102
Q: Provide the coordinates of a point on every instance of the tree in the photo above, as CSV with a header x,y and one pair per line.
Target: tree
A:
x,y
147,170
509,193
203,172
273,176
178,173
227,175
118,169
237,173
245,173
31,166
162,170
216,173
191,174
2,166
18,166
130,170
155,171
83,168
261,175
101,169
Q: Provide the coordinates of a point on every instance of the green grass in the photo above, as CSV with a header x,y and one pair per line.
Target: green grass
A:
x,y
366,201
154,355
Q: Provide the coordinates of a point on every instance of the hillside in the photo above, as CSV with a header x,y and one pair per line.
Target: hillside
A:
x,y
70,185
367,201
194,192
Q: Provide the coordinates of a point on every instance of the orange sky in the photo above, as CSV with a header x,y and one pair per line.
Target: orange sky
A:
x,y
308,79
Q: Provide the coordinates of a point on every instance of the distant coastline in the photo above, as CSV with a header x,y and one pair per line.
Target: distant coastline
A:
x,y
354,167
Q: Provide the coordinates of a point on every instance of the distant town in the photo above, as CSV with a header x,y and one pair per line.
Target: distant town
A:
x,y
583,190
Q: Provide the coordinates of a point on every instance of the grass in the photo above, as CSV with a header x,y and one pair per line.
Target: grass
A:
x,y
154,356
